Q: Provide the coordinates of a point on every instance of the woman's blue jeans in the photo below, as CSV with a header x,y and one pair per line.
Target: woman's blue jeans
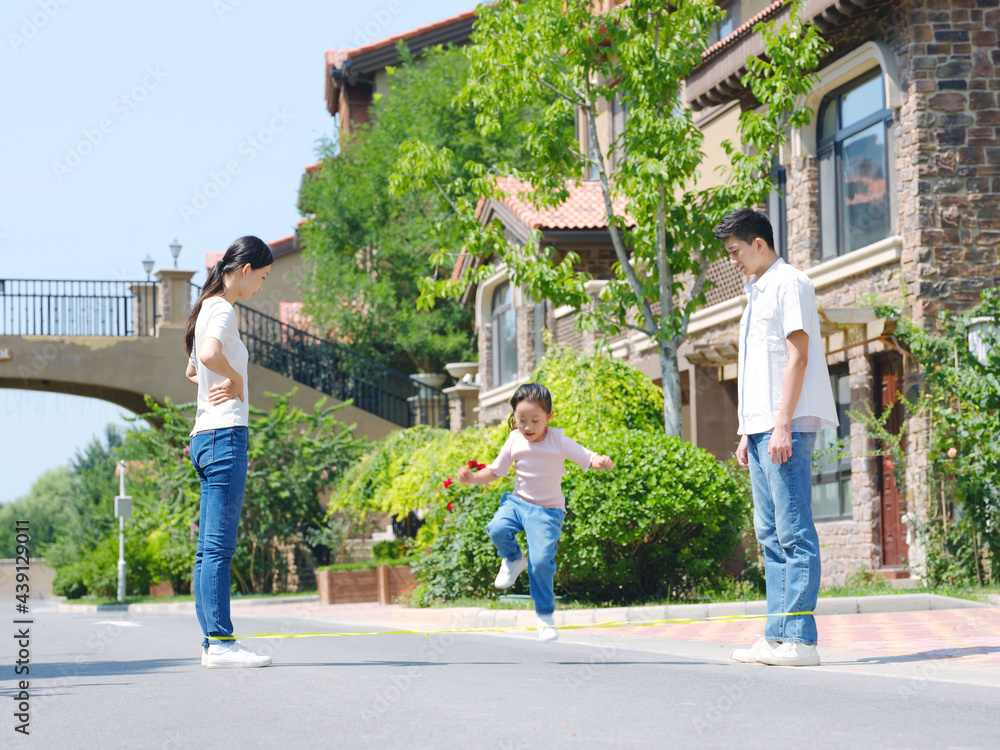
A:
x,y
220,458
783,522
542,527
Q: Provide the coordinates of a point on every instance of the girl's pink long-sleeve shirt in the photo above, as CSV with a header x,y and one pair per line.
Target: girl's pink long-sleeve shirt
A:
x,y
540,466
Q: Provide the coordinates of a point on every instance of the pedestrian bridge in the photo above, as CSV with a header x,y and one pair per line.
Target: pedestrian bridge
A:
x,y
120,340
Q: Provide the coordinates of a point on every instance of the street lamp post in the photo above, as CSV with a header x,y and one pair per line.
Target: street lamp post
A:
x,y
123,508
147,263
175,250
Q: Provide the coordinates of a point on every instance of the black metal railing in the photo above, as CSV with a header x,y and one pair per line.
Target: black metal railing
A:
x,y
337,371
45,307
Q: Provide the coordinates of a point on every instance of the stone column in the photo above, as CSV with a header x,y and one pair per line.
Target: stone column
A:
x,y
144,307
173,298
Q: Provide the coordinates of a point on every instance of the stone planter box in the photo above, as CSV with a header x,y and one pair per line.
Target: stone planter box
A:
x,y
382,584
161,589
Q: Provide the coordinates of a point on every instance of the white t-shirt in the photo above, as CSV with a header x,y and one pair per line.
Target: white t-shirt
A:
x,y
780,302
217,320
540,466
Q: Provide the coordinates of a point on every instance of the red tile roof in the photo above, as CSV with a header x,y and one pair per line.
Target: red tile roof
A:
x,y
744,29
584,209
390,41
335,57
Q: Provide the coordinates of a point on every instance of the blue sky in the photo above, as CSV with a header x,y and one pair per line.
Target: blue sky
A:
x,y
116,115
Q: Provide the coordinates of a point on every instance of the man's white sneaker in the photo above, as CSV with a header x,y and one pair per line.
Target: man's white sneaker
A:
x,y
509,571
547,628
790,654
753,654
233,655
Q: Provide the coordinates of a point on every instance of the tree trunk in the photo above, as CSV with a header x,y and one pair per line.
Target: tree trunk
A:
x,y
673,420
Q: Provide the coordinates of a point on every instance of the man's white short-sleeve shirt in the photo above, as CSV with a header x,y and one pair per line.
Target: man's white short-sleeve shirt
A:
x,y
780,302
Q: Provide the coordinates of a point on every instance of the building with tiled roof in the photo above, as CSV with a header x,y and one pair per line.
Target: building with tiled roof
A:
x,y
354,76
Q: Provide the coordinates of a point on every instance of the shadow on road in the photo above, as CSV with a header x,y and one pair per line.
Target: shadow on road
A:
x,y
942,653
54,670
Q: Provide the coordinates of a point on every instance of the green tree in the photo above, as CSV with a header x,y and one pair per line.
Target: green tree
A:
x,y
45,507
367,248
294,459
660,221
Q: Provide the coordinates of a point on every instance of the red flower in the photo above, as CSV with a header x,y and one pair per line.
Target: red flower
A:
x,y
480,466
448,482
473,464
450,506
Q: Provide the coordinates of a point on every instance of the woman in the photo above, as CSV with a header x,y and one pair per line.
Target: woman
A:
x,y
218,366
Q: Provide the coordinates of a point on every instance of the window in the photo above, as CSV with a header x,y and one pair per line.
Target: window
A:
x,y
504,318
854,167
831,484
777,211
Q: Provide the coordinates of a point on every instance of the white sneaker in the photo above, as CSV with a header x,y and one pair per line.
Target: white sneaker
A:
x,y
753,655
204,656
233,655
509,571
791,654
547,628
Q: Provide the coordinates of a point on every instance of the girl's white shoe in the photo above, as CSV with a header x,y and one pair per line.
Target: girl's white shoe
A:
x,y
509,571
547,628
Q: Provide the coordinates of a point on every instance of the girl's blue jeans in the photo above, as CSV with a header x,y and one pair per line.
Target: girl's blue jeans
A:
x,y
542,527
783,522
220,458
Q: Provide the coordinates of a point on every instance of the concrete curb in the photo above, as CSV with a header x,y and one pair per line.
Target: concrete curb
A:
x,y
476,617
184,606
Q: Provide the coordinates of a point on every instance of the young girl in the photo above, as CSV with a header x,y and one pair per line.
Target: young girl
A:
x,y
536,506
218,366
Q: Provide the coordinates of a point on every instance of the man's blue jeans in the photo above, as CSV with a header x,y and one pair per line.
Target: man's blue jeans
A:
x,y
783,522
542,527
220,458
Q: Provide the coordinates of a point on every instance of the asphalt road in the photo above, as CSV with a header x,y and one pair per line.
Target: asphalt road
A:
x,y
112,680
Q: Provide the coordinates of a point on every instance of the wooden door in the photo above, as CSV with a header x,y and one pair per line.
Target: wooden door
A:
x,y
894,547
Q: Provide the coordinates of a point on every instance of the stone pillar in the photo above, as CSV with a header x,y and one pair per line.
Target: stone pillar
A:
x,y
173,298
144,307
463,397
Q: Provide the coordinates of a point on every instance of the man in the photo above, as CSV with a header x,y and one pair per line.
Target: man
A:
x,y
785,398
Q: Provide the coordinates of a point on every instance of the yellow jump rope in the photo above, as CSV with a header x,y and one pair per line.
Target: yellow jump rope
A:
x,y
513,628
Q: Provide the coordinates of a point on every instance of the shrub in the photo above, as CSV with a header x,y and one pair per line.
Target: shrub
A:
x,y
662,522
595,393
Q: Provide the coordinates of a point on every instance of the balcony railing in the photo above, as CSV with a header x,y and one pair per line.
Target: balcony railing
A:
x,y
337,371
45,307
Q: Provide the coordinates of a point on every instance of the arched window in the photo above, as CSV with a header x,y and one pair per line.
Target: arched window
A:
x,y
504,319
854,166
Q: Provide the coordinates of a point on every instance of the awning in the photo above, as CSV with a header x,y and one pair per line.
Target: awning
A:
x,y
842,328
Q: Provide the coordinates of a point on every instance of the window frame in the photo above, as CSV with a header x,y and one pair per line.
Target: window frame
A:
x,y
842,470
497,313
779,219
833,144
